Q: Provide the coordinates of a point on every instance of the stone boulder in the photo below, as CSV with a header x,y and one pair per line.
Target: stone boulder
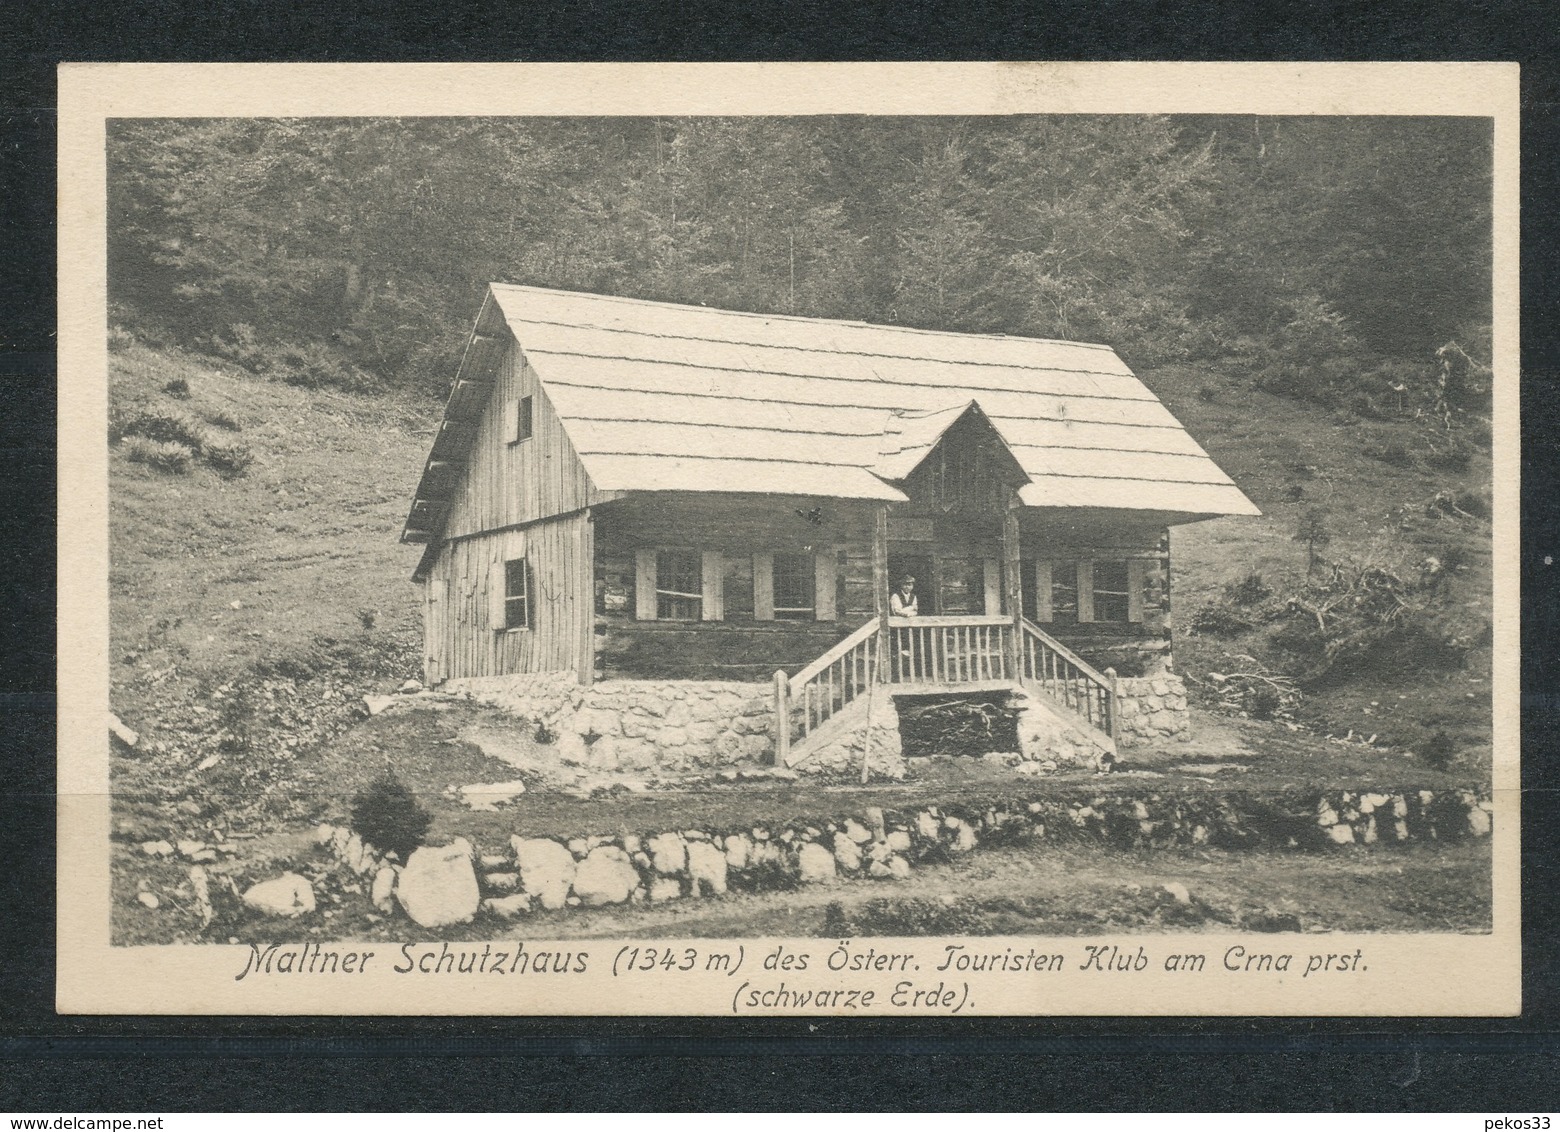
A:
x,y
815,864
488,796
507,907
546,870
384,888
706,868
438,886
605,876
669,852
847,853
286,895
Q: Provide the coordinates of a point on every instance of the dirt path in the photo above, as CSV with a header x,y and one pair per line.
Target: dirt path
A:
x,y
1064,891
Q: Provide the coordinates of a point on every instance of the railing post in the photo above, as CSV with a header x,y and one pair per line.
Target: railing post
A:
x,y
1110,676
782,718
1013,586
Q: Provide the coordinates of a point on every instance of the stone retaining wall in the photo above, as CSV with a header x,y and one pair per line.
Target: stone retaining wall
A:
x,y
679,725
669,725
451,884
1152,709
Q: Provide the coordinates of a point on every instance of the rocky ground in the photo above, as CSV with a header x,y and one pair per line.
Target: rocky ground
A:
x,y
520,839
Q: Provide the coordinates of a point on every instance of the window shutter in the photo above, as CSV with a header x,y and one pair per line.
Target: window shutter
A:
x,y
714,603
823,585
763,587
1136,571
512,421
644,585
1085,592
497,592
991,571
1043,592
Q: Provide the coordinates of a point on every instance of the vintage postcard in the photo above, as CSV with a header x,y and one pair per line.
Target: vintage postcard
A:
x,y
789,540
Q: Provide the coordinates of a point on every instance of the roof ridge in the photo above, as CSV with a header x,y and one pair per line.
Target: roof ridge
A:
x,y
554,381
1151,399
809,319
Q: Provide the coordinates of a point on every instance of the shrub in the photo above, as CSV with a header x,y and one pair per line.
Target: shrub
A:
x,y
237,717
1451,459
316,367
164,455
1391,452
1314,331
222,420
544,735
1248,591
1475,503
1261,701
179,388
1388,652
388,817
1294,493
1311,529
1207,393
1364,405
1300,638
1300,382
175,428
228,458
1437,751
1218,621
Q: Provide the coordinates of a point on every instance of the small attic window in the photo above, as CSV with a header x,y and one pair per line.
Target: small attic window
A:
x,y
518,420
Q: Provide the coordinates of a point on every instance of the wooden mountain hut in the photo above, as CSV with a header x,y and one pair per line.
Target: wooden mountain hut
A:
x,y
622,489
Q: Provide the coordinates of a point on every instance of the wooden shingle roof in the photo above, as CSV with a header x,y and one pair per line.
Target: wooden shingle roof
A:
x,y
660,396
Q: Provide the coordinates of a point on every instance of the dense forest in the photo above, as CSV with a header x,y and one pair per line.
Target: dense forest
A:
x,y
354,252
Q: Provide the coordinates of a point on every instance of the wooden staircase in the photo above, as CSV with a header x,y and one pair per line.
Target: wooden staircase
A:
x,y
938,654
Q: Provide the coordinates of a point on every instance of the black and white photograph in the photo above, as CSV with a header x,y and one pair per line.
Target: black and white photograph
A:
x,y
731,543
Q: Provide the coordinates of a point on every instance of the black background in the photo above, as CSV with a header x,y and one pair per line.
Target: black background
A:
x,y
73,1064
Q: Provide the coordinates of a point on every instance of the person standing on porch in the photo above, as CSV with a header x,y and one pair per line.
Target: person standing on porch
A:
x,y
903,602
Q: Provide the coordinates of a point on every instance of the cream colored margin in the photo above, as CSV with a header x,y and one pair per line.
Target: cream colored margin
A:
x,y
1405,975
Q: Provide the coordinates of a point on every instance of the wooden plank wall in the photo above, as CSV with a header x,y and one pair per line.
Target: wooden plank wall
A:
x,y
508,483
462,639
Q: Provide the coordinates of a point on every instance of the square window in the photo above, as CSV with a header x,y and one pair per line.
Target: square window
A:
x,y
794,580
1110,591
517,594
679,585
1064,593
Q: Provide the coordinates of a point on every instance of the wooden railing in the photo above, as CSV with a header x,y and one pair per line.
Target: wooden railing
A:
x,y
1068,679
808,700
939,651
949,650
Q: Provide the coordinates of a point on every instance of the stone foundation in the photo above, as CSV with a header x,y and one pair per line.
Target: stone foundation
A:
x,y
638,725
1047,737
1151,709
840,751
681,725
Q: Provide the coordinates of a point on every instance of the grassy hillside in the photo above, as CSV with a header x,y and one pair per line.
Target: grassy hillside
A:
x,y
1373,481
253,605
